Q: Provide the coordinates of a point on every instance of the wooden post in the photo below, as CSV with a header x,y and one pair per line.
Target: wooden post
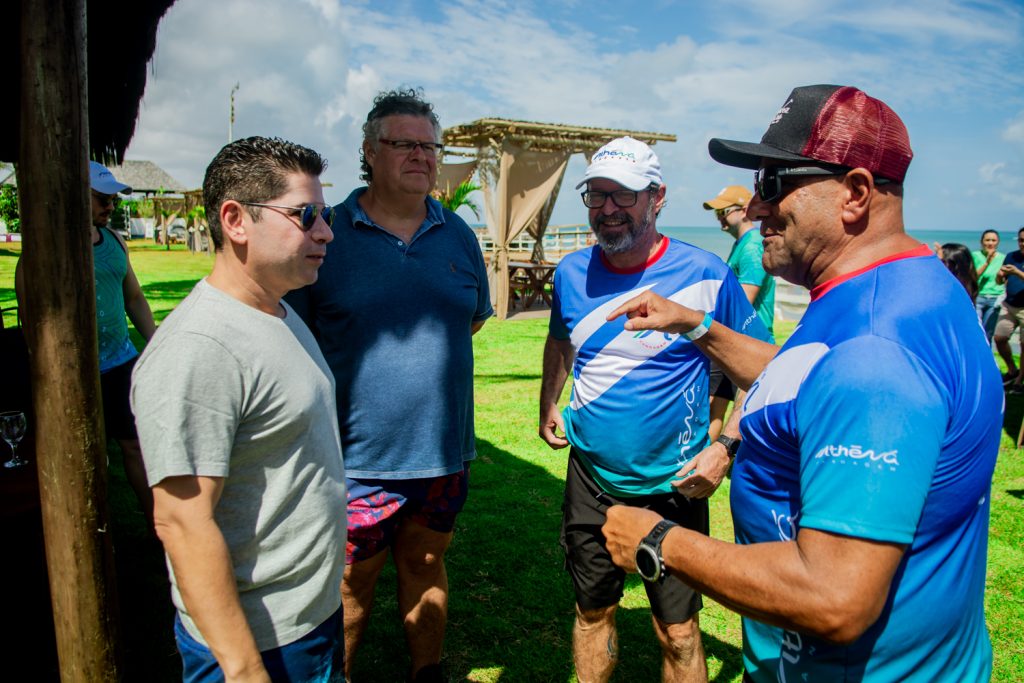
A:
x,y
60,326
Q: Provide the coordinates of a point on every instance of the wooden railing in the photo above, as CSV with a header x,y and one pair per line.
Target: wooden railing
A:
x,y
558,241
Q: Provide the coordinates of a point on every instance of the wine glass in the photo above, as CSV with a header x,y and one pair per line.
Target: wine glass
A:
x,y
12,429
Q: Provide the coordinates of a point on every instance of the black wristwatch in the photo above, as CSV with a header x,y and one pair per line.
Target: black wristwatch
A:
x,y
731,445
649,562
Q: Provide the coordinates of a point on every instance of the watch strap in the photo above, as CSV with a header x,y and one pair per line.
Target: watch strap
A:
x,y
652,543
656,534
731,445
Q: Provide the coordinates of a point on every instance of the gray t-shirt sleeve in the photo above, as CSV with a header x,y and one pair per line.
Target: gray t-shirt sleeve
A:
x,y
187,400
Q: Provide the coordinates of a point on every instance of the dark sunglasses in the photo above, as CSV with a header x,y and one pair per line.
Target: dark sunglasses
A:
x,y
768,182
592,199
307,214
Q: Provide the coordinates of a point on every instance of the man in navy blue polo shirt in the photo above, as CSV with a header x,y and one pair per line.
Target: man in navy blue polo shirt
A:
x,y
402,290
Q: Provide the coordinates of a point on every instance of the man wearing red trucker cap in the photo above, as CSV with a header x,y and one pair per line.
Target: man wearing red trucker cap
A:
x,y
860,493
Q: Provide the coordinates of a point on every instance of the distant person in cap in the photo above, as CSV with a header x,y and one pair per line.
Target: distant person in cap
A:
x,y
745,257
860,494
638,414
730,207
117,292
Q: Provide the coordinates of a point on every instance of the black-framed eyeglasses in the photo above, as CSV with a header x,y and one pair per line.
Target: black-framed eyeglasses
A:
x,y
408,146
592,199
768,181
106,199
307,214
722,213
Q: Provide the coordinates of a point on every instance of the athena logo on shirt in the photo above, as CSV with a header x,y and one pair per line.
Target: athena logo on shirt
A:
x,y
649,339
855,452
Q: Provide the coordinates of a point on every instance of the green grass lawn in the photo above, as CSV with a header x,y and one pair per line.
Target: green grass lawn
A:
x,y
166,276
511,604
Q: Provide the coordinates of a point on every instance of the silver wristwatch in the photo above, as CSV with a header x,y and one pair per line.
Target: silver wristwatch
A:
x,y
649,562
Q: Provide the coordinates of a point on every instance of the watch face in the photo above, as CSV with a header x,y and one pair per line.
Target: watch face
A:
x,y
647,562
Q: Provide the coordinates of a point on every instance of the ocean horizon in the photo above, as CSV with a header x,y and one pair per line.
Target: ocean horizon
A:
x,y
716,241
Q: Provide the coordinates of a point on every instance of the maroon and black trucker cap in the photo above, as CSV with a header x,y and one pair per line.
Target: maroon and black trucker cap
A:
x,y
833,124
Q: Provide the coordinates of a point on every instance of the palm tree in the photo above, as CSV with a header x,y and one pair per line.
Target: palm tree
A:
x,y
460,197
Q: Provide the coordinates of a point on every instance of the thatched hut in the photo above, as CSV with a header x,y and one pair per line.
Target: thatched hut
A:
x,y
520,165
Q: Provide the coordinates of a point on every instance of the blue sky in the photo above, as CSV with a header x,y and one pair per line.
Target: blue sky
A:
x,y
308,71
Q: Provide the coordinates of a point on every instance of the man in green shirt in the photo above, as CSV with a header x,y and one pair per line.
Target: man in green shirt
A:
x,y
745,260
987,262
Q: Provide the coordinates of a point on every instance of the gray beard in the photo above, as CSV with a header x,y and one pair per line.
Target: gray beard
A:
x,y
626,240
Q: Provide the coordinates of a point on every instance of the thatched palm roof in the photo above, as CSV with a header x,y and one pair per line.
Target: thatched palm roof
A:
x,y
145,176
541,136
122,37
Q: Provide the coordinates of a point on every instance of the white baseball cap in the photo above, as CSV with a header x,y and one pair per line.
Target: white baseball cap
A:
x,y
628,162
102,180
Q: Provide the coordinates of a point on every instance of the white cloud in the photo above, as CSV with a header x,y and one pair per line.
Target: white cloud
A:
x,y
1014,131
990,172
1007,185
361,85
309,71
920,21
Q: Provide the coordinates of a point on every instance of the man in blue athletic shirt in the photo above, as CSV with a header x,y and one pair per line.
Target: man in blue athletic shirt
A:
x,y
860,495
638,416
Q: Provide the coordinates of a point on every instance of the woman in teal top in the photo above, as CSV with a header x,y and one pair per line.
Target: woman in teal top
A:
x,y
987,262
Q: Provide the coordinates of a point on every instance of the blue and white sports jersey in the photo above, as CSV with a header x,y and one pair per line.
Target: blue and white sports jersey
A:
x,y
639,407
879,419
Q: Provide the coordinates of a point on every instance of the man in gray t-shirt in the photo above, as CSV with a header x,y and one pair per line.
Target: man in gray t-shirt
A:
x,y
236,414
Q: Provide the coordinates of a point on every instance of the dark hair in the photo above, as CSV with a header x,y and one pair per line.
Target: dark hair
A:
x,y
394,103
990,230
253,169
958,259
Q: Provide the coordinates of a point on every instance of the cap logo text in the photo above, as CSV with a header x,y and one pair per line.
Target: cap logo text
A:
x,y
614,154
782,111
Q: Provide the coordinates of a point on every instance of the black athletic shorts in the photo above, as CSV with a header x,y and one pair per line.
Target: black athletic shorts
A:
x,y
719,385
597,580
116,385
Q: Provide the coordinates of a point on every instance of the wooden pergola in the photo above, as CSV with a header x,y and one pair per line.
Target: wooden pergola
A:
x,y
166,210
520,165
547,137
72,98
